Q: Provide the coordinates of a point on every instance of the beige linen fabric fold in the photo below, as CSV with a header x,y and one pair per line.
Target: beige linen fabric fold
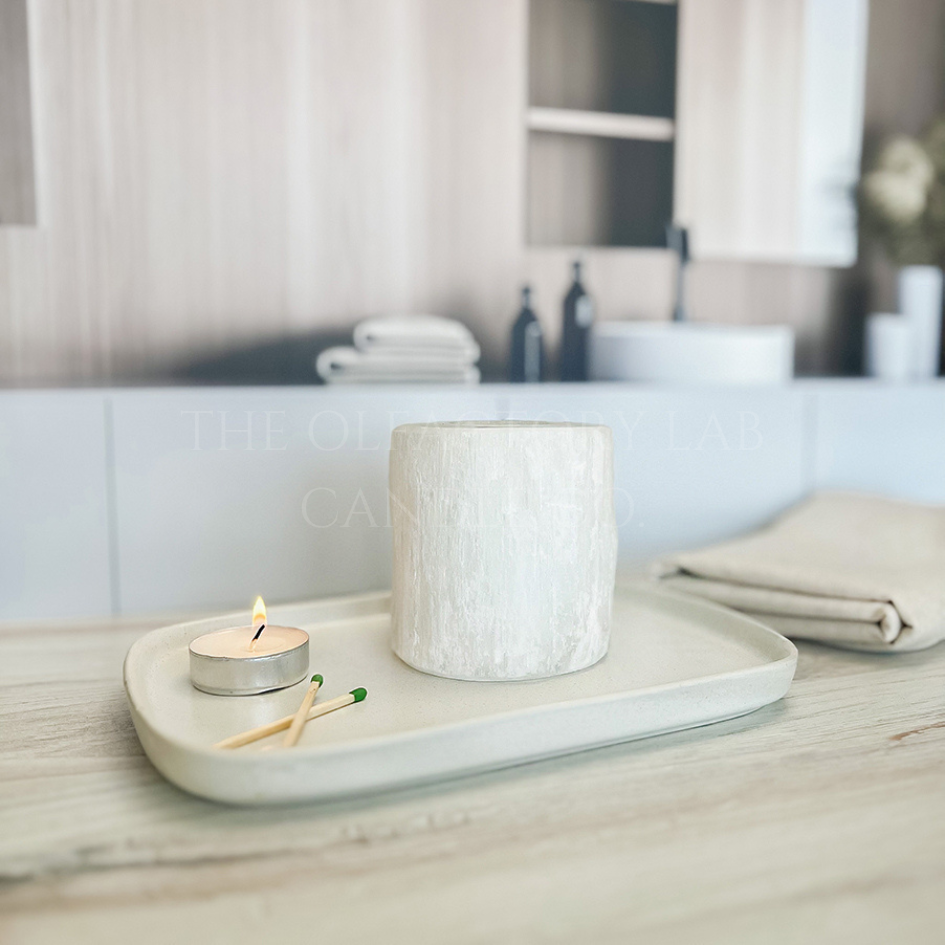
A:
x,y
856,571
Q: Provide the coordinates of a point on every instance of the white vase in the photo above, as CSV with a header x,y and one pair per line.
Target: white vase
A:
x,y
920,302
889,349
505,546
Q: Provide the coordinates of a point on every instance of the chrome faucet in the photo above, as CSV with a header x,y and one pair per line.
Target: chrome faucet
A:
x,y
677,239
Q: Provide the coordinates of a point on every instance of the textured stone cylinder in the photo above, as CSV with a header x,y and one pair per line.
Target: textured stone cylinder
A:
x,y
505,546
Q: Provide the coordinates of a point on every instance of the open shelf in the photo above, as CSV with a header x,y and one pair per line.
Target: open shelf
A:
x,y
603,56
593,191
602,124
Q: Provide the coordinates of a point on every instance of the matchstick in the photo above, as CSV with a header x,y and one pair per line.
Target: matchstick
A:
x,y
254,734
295,729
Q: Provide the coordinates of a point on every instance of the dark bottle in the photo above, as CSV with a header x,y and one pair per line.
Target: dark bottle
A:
x,y
527,357
578,317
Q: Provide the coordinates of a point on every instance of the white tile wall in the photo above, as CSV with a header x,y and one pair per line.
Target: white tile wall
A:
x,y
210,508
691,466
297,507
875,437
54,553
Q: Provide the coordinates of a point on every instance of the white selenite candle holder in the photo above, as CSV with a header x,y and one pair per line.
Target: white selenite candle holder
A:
x,y
505,547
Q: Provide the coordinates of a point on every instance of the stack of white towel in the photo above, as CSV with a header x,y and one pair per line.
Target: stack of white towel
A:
x,y
404,349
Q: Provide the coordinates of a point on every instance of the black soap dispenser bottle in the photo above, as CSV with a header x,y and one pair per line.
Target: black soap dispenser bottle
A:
x,y
578,318
527,355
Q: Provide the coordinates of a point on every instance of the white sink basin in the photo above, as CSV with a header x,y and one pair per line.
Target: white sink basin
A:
x,y
691,353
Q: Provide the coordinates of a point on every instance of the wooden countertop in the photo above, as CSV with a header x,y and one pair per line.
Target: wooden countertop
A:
x,y
819,818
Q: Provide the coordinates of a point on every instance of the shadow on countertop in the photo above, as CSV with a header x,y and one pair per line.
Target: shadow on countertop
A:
x,y
283,361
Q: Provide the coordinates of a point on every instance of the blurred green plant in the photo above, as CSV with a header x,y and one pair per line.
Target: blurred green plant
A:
x,y
902,198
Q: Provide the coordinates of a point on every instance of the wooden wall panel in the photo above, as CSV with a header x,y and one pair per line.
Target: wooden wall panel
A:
x,y
213,171
216,170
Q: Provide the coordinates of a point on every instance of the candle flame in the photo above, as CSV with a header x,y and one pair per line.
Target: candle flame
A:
x,y
259,612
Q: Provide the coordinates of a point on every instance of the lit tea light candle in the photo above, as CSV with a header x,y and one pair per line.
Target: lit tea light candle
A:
x,y
242,661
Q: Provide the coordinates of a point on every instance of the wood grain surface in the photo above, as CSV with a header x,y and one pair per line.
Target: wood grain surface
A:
x,y
816,819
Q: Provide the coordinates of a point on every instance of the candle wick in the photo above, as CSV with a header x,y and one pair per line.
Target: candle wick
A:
x,y
257,635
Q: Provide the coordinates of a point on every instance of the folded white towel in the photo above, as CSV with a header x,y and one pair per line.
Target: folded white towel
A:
x,y
417,333
852,570
349,366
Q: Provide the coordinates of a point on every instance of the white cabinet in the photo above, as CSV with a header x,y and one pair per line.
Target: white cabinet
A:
x,y
769,127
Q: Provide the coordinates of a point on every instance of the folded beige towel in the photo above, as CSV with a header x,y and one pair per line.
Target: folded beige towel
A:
x,y
852,570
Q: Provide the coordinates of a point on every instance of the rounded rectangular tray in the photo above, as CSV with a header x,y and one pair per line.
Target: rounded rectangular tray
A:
x,y
674,663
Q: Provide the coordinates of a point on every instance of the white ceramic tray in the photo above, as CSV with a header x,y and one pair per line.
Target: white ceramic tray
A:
x,y
674,663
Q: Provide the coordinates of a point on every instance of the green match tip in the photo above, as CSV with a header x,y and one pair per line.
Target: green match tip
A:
x,y
318,678
359,694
